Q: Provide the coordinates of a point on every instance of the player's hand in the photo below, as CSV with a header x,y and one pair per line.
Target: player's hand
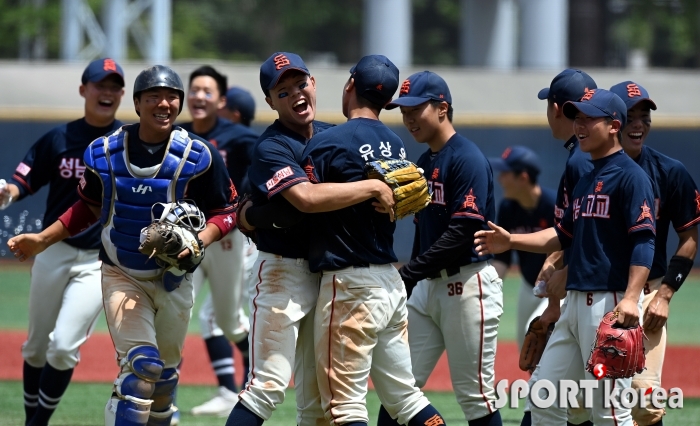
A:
x,y
492,242
556,284
627,313
656,314
25,246
385,199
550,314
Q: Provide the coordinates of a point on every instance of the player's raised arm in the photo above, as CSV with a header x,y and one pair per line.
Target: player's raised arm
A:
x,y
499,240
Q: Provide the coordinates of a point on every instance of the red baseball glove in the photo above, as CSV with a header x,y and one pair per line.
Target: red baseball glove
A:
x,y
619,349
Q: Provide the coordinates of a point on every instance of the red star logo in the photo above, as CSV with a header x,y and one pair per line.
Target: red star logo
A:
x,y
646,212
470,201
309,169
234,193
697,202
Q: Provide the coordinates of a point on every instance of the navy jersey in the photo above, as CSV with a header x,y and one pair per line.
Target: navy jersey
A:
x,y
56,159
676,199
608,206
577,165
212,191
357,235
276,166
235,143
518,220
461,181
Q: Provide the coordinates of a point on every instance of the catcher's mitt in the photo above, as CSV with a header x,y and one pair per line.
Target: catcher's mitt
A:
x,y
533,346
619,349
176,230
252,234
406,180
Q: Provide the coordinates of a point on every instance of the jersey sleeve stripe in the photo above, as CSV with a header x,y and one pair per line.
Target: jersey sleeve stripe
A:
x,y
88,200
471,215
642,226
23,182
224,210
561,228
286,185
688,225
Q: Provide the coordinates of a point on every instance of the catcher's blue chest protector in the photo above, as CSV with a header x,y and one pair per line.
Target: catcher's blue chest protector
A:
x,y
129,192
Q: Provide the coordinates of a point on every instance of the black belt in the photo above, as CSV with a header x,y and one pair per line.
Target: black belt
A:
x,y
449,271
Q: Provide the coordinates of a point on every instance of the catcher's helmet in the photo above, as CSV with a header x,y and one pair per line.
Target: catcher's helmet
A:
x,y
159,76
183,213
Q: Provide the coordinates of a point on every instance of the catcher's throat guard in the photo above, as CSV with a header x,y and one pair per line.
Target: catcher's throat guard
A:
x,y
174,228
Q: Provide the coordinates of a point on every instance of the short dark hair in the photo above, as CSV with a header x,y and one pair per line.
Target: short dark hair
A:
x,y
450,111
364,102
531,175
209,71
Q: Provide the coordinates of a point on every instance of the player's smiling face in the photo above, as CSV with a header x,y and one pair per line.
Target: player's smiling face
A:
x,y
422,121
594,134
102,99
203,98
294,99
159,108
637,129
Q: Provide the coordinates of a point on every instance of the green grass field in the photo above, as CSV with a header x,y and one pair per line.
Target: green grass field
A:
x,y
83,403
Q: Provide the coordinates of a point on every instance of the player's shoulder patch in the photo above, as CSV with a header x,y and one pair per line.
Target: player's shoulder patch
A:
x,y
278,176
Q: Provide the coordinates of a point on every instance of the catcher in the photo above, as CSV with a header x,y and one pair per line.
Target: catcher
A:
x,y
146,287
610,228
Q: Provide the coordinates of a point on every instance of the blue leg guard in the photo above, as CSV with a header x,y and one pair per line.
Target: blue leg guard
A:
x,y
164,392
145,362
129,411
172,278
161,418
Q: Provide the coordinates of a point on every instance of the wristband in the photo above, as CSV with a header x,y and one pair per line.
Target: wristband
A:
x,y
678,269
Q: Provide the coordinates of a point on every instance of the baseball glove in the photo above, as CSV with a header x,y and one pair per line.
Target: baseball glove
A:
x,y
533,346
406,180
619,349
166,241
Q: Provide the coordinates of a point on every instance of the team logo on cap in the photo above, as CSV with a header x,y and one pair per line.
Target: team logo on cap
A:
x,y
506,153
405,87
588,95
109,65
281,61
633,90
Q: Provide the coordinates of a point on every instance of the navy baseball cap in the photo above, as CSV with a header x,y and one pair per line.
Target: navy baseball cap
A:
x,y
99,69
569,85
280,62
376,78
598,103
632,94
517,159
239,99
422,87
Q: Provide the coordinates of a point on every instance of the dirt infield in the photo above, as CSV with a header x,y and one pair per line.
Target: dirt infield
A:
x,y
98,364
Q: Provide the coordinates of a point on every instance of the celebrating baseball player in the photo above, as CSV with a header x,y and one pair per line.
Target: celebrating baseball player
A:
x,y
65,298
609,226
676,201
526,207
361,313
284,291
240,106
147,249
457,302
221,317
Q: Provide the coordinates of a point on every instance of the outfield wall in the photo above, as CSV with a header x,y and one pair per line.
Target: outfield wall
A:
x,y
17,136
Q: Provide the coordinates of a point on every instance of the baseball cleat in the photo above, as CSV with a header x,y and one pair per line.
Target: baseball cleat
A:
x,y
221,405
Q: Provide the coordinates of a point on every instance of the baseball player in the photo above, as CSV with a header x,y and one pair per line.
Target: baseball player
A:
x,y
240,106
568,85
221,317
64,297
283,291
147,307
526,207
676,201
609,226
457,302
